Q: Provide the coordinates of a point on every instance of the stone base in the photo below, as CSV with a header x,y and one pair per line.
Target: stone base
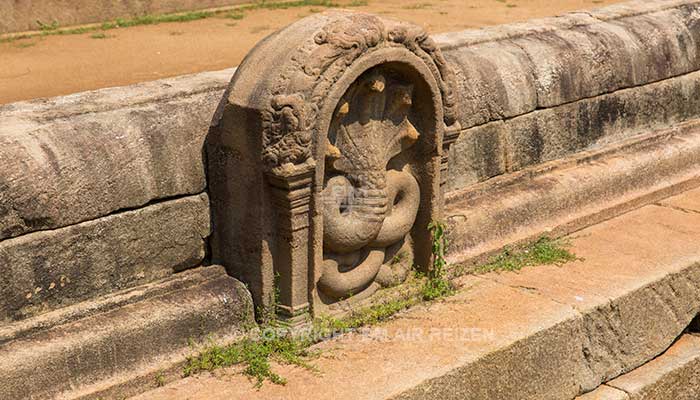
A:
x,y
544,333
675,375
120,343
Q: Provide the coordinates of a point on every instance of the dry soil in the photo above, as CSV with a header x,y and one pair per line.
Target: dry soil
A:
x,y
56,65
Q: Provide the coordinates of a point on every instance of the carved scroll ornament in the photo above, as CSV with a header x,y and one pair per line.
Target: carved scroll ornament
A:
x,y
289,123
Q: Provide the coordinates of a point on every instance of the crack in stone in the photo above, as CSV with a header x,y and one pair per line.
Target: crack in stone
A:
x,y
114,213
677,208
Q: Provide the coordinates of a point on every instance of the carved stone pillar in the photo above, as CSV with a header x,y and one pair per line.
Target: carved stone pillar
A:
x,y
324,167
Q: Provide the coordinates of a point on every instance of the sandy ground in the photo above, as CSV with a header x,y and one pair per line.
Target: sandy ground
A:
x,y
57,65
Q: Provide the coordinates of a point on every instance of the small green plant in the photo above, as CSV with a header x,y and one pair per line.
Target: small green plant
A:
x,y
400,256
544,251
275,343
99,35
279,344
437,284
235,14
47,27
254,355
160,379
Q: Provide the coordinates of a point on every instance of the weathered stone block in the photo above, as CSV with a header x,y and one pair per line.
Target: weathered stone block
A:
x,y
553,133
494,81
599,58
80,157
675,375
605,393
571,193
45,270
92,356
477,155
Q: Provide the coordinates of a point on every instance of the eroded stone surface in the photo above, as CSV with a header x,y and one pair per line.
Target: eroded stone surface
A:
x,y
499,147
80,157
570,194
675,375
45,270
554,61
605,393
156,331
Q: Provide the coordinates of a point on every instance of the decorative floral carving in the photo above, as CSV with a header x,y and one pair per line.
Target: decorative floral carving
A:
x,y
346,40
289,122
288,130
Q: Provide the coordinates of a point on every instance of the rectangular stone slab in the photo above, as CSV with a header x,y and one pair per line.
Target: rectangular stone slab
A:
x,y
97,356
46,270
548,62
75,158
675,375
569,194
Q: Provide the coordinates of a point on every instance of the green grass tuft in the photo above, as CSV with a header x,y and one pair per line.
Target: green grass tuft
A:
x,y
254,355
47,27
544,251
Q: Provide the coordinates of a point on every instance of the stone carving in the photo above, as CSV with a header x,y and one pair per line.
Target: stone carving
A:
x,y
289,121
370,197
325,167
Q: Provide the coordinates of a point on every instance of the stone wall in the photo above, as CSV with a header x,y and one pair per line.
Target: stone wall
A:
x,y
103,189
542,90
104,227
527,95
22,15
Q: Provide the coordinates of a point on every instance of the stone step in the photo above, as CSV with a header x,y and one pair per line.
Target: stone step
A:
x,y
116,343
675,375
548,332
565,195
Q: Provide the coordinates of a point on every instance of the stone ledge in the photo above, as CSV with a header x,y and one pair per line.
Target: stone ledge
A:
x,y
80,157
46,270
568,194
551,332
675,375
102,354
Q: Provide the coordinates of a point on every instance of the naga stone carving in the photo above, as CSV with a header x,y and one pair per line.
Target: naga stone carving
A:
x,y
370,195
324,160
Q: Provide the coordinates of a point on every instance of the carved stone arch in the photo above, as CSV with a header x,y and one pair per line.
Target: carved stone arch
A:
x,y
324,165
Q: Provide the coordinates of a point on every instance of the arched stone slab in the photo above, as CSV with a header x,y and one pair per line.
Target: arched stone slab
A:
x,y
325,164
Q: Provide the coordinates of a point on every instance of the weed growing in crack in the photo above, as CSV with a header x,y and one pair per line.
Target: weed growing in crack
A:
x,y
437,284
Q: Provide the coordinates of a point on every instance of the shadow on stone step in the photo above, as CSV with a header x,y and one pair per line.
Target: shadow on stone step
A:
x,y
694,326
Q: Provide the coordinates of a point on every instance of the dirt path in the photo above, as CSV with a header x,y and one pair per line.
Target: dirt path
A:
x,y
57,65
